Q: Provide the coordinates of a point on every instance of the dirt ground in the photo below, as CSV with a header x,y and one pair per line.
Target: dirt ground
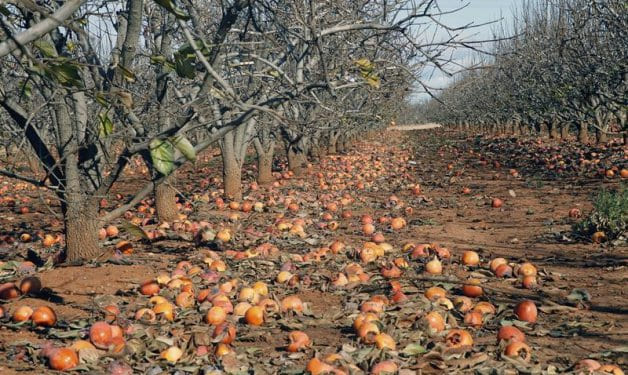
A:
x,y
532,225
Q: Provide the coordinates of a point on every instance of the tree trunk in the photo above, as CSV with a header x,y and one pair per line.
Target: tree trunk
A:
x,y
600,136
331,146
313,152
340,145
544,129
81,230
264,162
33,162
232,175
583,132
166,200
553,130
564,131
516,128
265,169
296,160
320,150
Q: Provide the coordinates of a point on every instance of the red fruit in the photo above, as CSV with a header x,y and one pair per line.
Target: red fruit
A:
x,y
149,288
44,316
473,319
575,213
529,282
385,367
497,203
100,335
9,291
503,270
22,314
30,285
472,288
63,359
526,311
470,258
510,333
518,349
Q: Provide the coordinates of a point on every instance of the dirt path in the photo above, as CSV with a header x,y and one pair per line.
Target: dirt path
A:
x,y
527,227
414,127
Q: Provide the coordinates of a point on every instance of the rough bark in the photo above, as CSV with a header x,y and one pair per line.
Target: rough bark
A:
x,y
265,169
233,148
553,130
166,200
494,129
564,131
600,136
80,211
583,132
232,178
296,160
516,128
544,129
522,128
331,145
81,230
231,169
265,154
340,145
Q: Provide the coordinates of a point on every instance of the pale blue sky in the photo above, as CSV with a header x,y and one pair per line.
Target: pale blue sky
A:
x,y
476,12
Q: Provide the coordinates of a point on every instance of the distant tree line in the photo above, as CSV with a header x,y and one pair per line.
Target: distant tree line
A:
x,y
559,67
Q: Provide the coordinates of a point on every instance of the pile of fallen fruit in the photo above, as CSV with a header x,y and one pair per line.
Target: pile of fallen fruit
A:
x,y
319,275
555,159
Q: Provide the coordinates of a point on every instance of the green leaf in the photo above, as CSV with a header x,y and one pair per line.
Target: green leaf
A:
x,y
162,155
66,74
101,99
412,350
27,89
171,7
106,125
46,48
184,66
157,59
5,11
185,146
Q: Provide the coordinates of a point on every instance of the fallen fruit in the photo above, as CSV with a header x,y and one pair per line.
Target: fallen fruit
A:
x,y
172,354
22,314
62,359
254,316
100,335
298,341
457,338
470,258
511,334
518,349
526,311
44,316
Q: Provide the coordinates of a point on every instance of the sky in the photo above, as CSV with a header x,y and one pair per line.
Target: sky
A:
x,y
477,12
